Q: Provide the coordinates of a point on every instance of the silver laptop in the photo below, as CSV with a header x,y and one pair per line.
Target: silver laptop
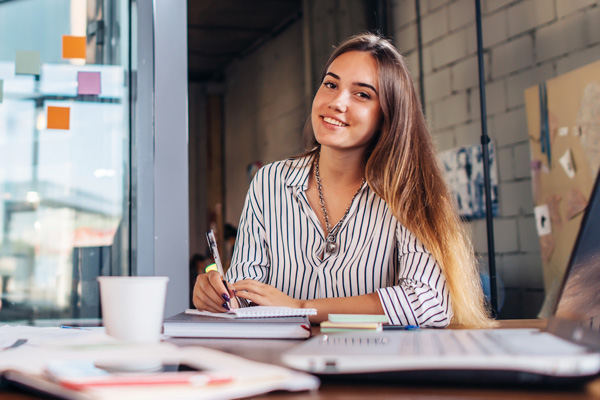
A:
x,y
567,351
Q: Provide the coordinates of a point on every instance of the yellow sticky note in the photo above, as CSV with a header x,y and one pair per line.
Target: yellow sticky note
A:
x,y
58,117
73,46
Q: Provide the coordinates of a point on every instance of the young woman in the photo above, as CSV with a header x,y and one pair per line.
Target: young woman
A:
x,y
363,222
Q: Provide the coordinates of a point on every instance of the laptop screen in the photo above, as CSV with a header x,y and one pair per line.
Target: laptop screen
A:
x,y
579,299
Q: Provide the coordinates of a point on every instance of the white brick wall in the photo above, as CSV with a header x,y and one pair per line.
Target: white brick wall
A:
x,y
515,198
465,74
495,95
512,56
517,83
264,111
461,13
528,15
561,37
494,28
491,5
578,59
404,12
433,4
522,163
592,25
505,239
509,128
434,25
468,134
505,159
525,42
450,111
449,49
565,7
445,139
437,85
528,235
406,38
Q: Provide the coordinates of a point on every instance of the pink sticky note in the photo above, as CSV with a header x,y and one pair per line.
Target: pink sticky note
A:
x,y
88,83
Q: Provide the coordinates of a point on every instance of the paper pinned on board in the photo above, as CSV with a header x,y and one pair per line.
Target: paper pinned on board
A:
x,y
542,220
554,207
566,161
563,131
547,245
576,203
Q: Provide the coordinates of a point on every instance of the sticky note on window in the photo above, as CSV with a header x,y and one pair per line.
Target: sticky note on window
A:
x,y
73,46
58,117
542,220
1,90
88,83
28,62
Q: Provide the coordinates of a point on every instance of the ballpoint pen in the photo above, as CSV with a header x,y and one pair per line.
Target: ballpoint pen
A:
x,y
212,244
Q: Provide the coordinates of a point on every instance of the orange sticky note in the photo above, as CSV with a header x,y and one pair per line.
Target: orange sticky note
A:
x,y
73,46
58,117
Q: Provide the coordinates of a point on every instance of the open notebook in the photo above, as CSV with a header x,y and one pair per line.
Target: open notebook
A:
x,y
251,322
257,312
568,351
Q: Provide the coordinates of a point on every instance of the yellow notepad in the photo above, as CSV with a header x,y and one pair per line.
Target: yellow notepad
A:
x,y
345,318
328,326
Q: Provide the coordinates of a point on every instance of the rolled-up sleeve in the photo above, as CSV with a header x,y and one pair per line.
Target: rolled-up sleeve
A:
x,y
420,297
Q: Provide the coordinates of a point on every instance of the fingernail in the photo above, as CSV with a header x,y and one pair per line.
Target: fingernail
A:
x,y
225,297
226,306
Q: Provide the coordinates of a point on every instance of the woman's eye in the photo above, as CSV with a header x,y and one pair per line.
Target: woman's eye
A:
x,y
330,85
364,95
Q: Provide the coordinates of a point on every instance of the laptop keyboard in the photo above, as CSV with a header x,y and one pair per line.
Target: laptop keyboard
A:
x,y
451,343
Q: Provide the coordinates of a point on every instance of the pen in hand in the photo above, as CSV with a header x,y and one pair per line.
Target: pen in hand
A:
x,y
212,244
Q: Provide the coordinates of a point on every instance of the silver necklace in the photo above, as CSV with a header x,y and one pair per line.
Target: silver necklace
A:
x,y
331,246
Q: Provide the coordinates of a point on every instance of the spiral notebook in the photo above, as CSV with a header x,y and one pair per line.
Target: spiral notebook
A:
x,y
257,312
252,322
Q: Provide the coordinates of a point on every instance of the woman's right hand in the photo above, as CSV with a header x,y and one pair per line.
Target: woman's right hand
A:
x,y
210,293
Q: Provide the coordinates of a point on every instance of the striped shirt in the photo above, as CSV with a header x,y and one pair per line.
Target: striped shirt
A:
x,y
280,242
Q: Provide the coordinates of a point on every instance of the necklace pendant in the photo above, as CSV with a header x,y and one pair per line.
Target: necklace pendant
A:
x,y
331,246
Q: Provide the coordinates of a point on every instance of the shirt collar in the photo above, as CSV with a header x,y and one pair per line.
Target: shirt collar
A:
x,y
300,171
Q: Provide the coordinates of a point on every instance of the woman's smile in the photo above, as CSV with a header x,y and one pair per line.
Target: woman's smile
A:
x,y
347,103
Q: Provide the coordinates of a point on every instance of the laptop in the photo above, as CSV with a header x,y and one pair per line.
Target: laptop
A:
x,y
567,351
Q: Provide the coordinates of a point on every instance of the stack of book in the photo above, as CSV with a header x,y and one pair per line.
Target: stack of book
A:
x,y
353,322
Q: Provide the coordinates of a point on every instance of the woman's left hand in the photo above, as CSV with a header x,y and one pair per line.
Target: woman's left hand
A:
x,y
264,295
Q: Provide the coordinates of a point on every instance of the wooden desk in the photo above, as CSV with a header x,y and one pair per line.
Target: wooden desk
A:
x,y
270,350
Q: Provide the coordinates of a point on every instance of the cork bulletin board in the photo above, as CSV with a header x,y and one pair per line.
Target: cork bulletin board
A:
x,y
563,118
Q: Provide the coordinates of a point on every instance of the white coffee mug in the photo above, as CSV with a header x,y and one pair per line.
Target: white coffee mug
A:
x,y
133,306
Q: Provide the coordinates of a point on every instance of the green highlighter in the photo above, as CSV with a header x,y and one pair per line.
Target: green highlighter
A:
x,y
344,318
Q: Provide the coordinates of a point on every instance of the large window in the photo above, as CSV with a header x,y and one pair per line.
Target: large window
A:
x,y
64,155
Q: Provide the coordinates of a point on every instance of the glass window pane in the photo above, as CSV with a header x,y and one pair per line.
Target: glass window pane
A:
x,y
64,157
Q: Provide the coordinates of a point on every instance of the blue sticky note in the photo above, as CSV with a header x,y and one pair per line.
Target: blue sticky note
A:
x,y
28,62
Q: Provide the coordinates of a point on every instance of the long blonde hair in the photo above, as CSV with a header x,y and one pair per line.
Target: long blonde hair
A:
x,y
403,170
